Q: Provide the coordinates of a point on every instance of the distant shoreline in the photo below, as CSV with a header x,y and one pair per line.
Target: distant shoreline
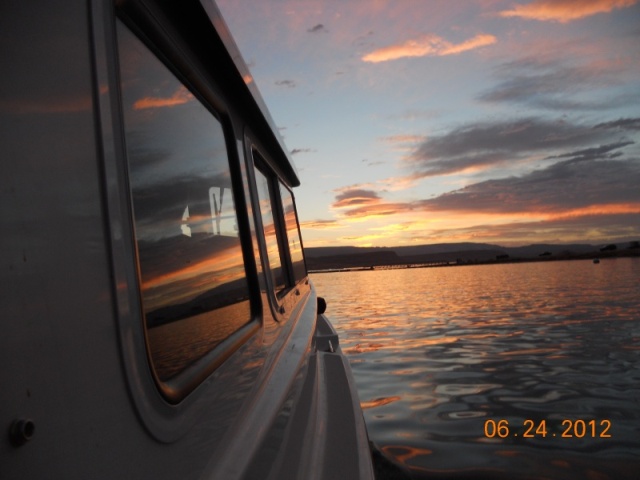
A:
x,y
600,255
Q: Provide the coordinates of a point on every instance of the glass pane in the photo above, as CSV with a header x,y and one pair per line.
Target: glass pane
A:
x,y
293,234
266,211
194,290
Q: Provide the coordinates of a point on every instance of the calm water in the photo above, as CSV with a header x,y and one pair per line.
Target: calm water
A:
x,y
441,355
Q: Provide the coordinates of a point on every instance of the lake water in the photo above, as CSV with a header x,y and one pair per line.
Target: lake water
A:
x,y
453,365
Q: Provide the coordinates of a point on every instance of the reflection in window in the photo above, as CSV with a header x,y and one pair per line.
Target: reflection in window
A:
x,y
194,290
268,224
293,234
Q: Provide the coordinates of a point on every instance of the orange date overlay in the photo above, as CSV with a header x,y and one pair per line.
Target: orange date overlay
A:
x,y
538,429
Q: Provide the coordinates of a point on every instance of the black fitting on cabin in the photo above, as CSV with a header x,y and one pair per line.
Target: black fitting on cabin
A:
x,y
322,305
21,431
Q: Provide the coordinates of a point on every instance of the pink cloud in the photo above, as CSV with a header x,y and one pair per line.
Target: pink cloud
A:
x,y
427,45
180,97
564,11
471,44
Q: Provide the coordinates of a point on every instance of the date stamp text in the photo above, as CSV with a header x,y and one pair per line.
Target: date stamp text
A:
x,y
540,429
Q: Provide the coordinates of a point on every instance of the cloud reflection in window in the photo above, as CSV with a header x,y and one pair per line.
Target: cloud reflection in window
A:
x,y
194,290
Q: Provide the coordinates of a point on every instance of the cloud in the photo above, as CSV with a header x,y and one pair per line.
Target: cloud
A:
x,y
471,44
319,28
296,151
587,181
553,85
622,124
286,83
588,228
402,143
356,197
379,209
393,184
403,139
564,189
602,151
427,45
564,11
180,97
479,146
569,201
320,224
359,203
373,163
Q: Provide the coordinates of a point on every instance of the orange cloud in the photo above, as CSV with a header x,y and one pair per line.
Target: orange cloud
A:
x,y
399,183
415,225
320,224
227,265
471,44
428,45
404,139
564,11
588,224
606,209
180,97
540,213
379,209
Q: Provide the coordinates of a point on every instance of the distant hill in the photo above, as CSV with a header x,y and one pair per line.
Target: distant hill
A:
x,y
327,258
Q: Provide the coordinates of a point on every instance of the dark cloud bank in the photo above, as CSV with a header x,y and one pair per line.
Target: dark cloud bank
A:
x,y
586,166
490,144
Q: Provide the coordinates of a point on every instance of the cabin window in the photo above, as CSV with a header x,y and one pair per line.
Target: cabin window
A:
x,y
293,234
265,197
281,232
192,277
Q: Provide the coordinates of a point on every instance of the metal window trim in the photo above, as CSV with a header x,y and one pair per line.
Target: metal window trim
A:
x,y
281,303
295,210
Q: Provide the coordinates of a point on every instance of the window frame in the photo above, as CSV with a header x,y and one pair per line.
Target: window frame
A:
x,y
166,418
279,290
179,387
295,281
281,301
224,93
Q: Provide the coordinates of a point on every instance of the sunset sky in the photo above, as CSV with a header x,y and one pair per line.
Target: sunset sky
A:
x,y
410,122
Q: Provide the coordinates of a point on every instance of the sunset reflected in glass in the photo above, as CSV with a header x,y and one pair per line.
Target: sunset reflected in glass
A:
x,y
192,274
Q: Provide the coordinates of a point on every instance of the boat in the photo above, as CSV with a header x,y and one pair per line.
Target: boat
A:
x,y
159,321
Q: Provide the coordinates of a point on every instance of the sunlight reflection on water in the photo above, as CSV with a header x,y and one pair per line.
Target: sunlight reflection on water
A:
x,y
437,352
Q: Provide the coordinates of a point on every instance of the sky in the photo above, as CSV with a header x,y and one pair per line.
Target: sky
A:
x,y
418,122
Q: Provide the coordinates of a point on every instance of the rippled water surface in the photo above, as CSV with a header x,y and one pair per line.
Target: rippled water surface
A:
x,y
442,355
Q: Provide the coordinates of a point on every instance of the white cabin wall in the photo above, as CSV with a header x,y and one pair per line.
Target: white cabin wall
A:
x,y
59,350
